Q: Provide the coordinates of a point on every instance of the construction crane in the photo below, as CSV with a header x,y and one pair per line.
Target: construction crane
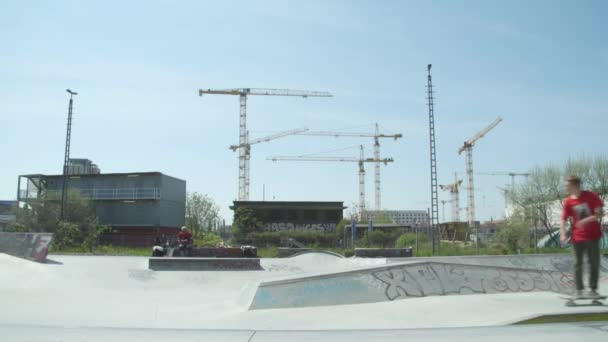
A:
x,y
443,202
243,93
510,174
361,161
468,148
454,189
247,148
377,136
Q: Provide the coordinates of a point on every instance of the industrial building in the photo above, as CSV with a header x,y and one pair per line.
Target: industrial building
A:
x,y
134,204
287,215
81,166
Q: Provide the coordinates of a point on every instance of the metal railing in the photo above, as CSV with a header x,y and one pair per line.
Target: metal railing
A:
x,y
124,194
119,194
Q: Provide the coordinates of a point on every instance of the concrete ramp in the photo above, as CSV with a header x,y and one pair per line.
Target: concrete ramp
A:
x,y
31,246
403,281
562,262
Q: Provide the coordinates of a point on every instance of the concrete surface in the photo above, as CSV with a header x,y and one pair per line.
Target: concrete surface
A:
x,y
544,332
204,264
90,298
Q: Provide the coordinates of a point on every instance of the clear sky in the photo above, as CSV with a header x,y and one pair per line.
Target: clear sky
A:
x,y
137,65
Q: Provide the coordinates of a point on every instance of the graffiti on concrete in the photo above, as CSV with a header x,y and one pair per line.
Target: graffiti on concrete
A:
x,y
319,227
32,246
435,279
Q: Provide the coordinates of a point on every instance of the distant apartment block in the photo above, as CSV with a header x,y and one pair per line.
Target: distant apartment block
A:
x,y
407,217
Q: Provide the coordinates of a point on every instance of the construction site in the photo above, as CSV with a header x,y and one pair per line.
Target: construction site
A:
x,y
300,171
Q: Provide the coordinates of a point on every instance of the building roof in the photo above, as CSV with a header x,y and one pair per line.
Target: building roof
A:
x,y
149,173
386,225
289,205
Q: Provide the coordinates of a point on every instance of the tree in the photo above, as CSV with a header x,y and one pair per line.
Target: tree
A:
x,y
539,200
514,233
245,222
202,213
80,226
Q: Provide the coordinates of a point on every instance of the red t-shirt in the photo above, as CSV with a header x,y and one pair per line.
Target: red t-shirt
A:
x,y
184,235
579,208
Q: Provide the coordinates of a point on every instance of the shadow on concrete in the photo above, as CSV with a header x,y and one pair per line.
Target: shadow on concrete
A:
x,y
53,262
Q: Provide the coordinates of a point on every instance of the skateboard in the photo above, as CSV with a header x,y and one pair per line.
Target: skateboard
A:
x,y
575,301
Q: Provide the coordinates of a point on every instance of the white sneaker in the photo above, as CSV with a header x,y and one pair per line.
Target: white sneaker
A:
x,y
578,293
593,294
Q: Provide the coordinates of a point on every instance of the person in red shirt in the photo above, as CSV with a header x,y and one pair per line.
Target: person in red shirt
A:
x,y
584,209
184,238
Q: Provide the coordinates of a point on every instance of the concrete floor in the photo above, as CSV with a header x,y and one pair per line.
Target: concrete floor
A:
x,y
87,298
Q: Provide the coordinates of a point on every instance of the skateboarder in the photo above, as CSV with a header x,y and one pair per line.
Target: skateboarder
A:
x,y
585,210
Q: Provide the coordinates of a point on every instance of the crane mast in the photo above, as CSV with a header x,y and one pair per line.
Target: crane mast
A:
x,y
362,184
454,189
468,149
242,93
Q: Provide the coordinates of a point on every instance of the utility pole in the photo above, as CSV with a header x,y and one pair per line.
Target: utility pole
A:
x,y
434,212
66,159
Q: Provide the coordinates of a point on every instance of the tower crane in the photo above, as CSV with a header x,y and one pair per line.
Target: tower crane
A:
x,y
361,161
242,93
510,174
454,189
443,202
468,148
247,147
377,136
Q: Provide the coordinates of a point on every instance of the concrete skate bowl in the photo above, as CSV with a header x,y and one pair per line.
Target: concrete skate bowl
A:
x,y
405,281
313,252
548,262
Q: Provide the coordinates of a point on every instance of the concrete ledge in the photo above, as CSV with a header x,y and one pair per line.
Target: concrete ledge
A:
x,y
204,264
383,252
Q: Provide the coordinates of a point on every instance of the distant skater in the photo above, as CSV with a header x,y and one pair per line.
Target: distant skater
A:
x,y
584,209
184,238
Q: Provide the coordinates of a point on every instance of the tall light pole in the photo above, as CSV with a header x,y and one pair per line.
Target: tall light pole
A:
x,y
66,160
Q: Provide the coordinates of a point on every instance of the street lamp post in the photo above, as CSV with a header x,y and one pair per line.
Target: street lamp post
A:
x,y
68,137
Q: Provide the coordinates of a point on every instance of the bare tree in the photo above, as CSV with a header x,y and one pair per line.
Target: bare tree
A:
x,y
541,196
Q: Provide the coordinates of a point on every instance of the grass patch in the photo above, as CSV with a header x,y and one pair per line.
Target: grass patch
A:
x,y
268,252
568,318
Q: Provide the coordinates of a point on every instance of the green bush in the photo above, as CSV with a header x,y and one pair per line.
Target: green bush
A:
x,y
409,240
208,240
66,235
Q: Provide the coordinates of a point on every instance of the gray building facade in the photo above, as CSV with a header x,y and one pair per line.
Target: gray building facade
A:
x,y
133,203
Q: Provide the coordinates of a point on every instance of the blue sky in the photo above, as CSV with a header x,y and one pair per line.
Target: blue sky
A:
x,y
541,65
